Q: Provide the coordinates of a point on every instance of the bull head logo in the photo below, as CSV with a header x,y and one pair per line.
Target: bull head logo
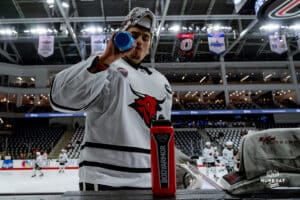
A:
x,y
146,106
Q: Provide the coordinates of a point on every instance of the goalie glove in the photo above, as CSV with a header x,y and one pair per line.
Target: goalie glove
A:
x,y
188,177
187,174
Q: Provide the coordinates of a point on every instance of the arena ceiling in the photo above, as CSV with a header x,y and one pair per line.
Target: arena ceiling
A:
x,y
244,40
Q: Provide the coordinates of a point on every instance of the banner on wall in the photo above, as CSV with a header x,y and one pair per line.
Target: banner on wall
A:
x,y
186,46
216,42
98,44
46,45
278,43
26,163
7,163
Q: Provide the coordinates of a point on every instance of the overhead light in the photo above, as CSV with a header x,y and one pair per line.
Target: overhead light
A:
x,y
92,29
237,1
195,93
175,28
50,2
216,27
202,79
295,27
270,27
187,94
8,32
51,30
41,31
244,78
268,76
65,5
285,79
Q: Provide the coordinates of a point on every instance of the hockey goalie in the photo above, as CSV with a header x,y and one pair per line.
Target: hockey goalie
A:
x,y
269,159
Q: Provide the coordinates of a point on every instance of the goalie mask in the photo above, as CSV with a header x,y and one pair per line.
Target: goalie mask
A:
x,y
140,17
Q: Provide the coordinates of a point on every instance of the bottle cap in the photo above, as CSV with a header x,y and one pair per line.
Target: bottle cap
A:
x,y
123,41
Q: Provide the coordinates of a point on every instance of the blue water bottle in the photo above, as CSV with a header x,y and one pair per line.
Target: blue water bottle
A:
x,y
124,41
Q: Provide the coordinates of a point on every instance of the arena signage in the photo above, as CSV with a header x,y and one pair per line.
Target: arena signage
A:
x,y
281,10
179,112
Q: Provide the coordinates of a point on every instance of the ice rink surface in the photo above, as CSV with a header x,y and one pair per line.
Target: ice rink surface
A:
x,y
19,185
21,182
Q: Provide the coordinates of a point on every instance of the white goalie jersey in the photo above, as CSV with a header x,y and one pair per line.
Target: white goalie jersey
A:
x,y
120,104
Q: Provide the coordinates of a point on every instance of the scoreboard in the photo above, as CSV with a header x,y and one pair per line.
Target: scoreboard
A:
x,y
287,11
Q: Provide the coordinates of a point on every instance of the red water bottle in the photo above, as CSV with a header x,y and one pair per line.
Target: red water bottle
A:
x,y
163,166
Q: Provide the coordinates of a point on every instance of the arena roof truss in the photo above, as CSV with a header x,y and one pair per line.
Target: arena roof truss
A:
x,y
244,40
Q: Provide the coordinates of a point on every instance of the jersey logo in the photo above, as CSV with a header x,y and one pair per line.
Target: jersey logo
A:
x,y
123,71
146,106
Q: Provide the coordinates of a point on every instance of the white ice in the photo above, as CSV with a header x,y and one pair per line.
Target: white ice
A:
x,y
20,181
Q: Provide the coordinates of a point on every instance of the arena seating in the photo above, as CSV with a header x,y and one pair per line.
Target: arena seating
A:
x,y
177,106
263,125
26,108
266,103
41,109
243,105
74,145
26,141
289,104
232,134
188,140
261,103
195,106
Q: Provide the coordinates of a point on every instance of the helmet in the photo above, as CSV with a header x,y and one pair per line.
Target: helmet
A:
x,y
229,143
142,17
38,153
63,151
207,143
